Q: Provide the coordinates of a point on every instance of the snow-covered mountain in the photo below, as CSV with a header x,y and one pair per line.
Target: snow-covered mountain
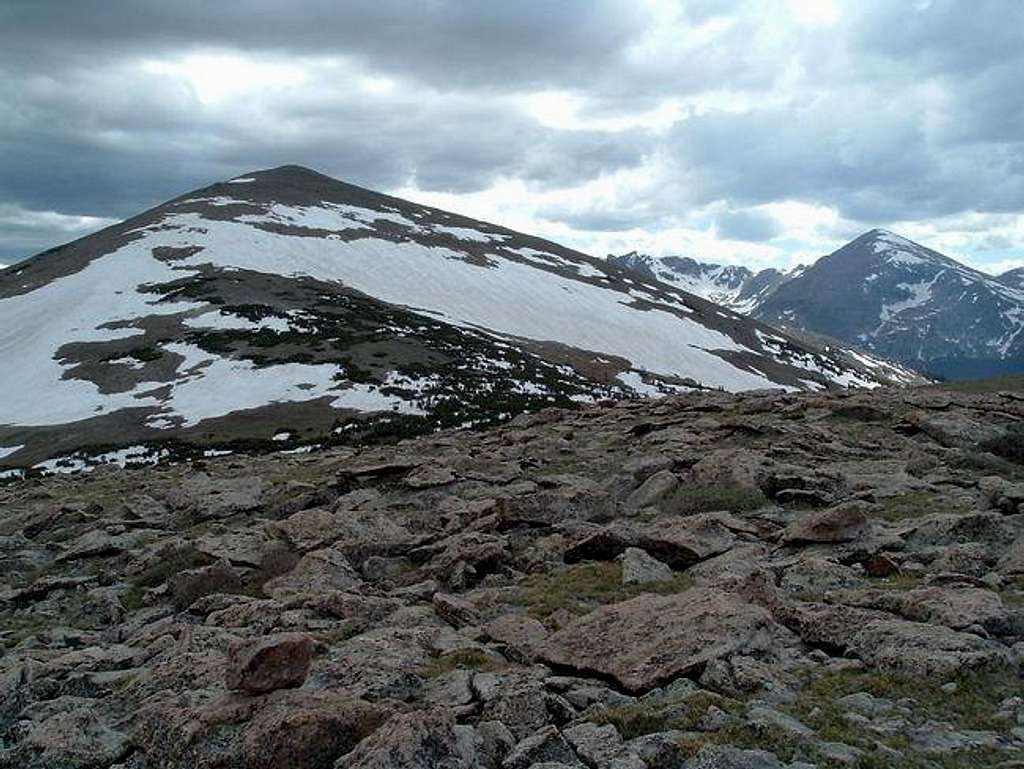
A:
x,y
908,303
288,308
735,287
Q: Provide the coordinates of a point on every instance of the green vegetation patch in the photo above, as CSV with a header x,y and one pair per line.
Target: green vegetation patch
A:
x,y
585,586
916,504
972,706
467,659
156,574
640,718
706,498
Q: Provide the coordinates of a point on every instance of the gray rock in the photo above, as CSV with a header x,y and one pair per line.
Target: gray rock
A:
x,y
679,542
546,745
457,612
75,739
316,572
519,633
638,568
602,747
417,740
722,757
925,650
204,497
654,491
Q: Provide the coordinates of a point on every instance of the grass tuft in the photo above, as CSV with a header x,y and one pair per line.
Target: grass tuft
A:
x,y
585,586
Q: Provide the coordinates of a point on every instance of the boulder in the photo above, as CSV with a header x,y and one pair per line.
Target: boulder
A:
x,y
654,491
519,633
457,612
918,649
652,639
638,568
679,542
842,523
273,662
957,608
315,573
73,739
1012,562
307,729
575,499
190,585
418,740
601,746
203,497
546,745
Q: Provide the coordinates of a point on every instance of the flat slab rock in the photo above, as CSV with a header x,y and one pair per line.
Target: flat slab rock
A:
x,y
652,639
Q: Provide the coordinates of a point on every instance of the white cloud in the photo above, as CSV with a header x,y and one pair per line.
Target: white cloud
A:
x,y
16,217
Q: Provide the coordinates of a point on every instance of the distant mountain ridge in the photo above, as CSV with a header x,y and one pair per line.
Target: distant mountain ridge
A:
x,y
909,303
880,292
736,287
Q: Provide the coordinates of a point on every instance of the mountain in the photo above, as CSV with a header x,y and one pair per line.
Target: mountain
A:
x,y
738,288
1013,278
908,303
282,307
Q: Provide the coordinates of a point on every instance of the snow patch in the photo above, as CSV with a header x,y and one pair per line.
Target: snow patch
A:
x,y
6,451
228,322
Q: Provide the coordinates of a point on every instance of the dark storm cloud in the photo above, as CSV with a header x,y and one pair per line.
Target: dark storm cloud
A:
x,y
528,42
897,111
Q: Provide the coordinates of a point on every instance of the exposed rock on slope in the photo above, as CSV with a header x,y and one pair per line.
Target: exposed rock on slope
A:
x,y
284,305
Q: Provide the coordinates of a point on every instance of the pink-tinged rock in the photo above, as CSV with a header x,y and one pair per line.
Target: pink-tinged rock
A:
x,y
272,662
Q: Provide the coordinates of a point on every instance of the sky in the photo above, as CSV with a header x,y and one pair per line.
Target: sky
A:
x,y
757,132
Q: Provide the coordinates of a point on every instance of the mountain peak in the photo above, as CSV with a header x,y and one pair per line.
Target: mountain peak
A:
x,y
900,299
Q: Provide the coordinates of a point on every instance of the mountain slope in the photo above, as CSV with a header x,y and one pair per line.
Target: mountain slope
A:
x,y
1013,278
738,288
908,303
285,305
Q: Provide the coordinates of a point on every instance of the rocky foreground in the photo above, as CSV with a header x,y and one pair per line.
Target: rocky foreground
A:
x,y
752,581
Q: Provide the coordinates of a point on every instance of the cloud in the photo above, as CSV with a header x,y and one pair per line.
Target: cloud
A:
x,y
742,130
24,232
747,225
